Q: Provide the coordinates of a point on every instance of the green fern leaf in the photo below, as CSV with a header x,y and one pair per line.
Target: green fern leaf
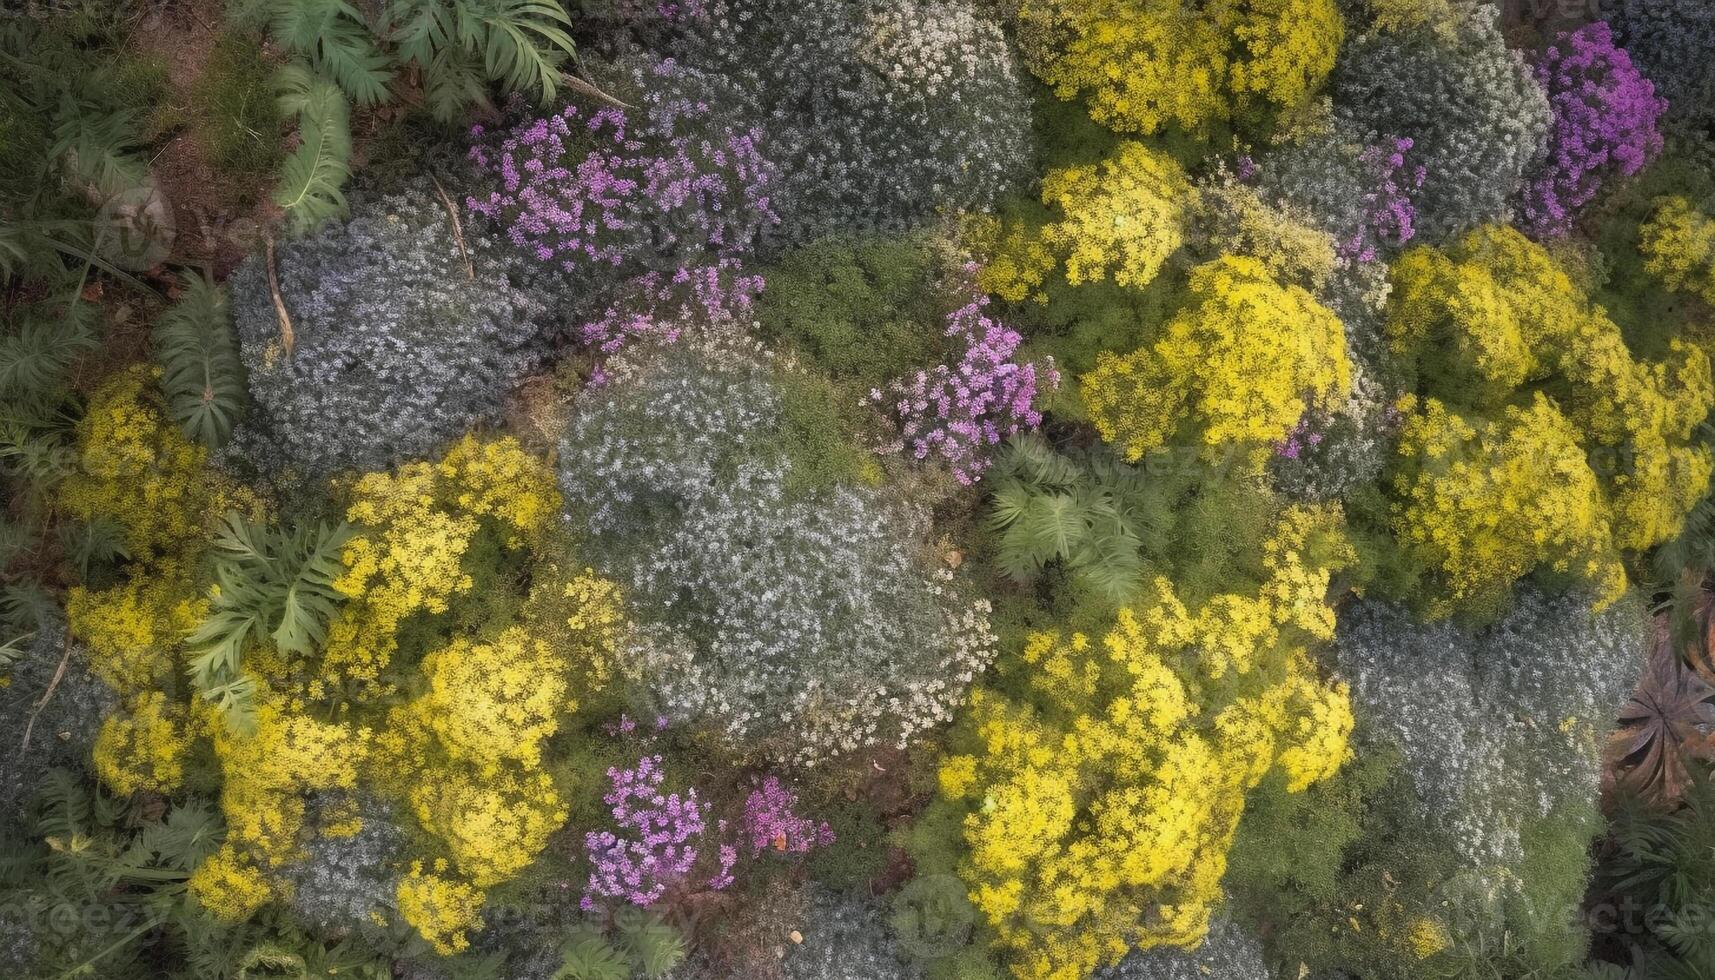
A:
x,y
335,38
312,178
590,957
654,945
202,376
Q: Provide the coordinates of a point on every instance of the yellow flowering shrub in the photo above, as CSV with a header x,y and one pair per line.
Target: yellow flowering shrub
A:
x,y
416,524
1147,64
229,886
441,909
1232,218
494,702
139,471
1120,218
142,746
1485,322
1242,362
1678,243
492,825
1483,504
1099,807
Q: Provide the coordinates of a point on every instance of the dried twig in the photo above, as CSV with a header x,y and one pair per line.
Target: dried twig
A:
x,y
53,685
588,88
458,229
286,338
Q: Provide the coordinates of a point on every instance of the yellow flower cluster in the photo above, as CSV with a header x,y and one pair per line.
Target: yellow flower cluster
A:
x,y
1122,218
1678,243
1147,64
139,471
1489,322
268,773
1484,504
1234,219
441,909
142,747
416,525
1243,362
1099,811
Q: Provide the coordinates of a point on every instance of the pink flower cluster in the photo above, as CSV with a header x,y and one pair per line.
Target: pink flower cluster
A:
x,y
770,822
1299,439
959,411
1389,215
660,306
665,840
1605,115
599,189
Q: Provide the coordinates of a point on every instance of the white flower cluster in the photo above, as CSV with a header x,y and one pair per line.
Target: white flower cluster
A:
x,y
1477,117
813,622
1499,725
1229,952
63,726
345,881
397,345
846,938
880,113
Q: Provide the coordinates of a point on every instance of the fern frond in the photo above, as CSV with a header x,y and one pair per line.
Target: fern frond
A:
x,y
591,957
312,178
655,946
334,37
524,42
201,373
98,149
98,541
36,357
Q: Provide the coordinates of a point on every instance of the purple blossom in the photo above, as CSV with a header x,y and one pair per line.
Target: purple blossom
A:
x,y
959,411
602,189
771,823
660,306
661,838
1605,115
1389,215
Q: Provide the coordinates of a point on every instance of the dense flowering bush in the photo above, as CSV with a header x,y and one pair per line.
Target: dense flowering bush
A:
x,y
1678,243
1242,362
1477,119
1501,726
1477,322
961,412
1120,218
1604,125
664,838
1166,62
810,621
770,821
1229,951
1671,41
879,113
581,189
847,938
396,344
660,306
1115,783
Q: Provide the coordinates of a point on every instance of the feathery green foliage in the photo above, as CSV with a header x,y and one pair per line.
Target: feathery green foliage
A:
x,y
202,376
641,943
312,177
273,585
459,46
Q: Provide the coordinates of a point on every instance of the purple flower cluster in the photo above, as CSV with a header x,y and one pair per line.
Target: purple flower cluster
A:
x,y
660,306
1389,215
960,411
665,841
1299,439
579,189
1605,115
770,822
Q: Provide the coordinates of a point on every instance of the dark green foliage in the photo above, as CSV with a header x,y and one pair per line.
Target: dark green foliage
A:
x,y
1663,862
817,436
461,47
1113,526
865,311
638,943
93,546
274,584
201,375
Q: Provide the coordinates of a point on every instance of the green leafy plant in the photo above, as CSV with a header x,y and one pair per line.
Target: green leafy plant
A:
x,y
638,943
460,47
312,177
201,374
273,585
1664,860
